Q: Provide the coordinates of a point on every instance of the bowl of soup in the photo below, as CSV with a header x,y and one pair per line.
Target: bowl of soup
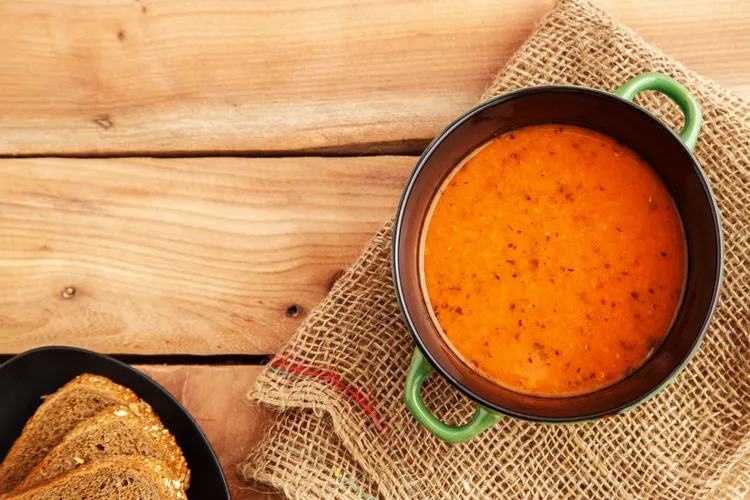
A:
x,y
557,255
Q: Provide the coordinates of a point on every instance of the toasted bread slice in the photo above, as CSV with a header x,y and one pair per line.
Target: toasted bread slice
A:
x,y
116,430
80,399
123,477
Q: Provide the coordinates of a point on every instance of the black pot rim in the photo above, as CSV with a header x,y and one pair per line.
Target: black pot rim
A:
x,y
397,237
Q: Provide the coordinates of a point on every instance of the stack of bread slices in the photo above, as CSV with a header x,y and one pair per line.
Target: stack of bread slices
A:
x,y
94,439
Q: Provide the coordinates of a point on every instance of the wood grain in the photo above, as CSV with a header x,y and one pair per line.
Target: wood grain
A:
x,y
170,77
214,396
180,256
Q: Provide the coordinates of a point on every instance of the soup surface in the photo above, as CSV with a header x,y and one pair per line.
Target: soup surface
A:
x,y
554,260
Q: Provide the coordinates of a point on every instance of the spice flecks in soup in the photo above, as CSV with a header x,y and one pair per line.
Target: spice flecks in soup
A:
x,y
554,260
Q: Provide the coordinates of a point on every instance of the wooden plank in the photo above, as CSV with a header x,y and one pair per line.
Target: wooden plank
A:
x,y
175,76
215,397
180,256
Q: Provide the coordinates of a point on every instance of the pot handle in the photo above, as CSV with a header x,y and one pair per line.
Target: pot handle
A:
x,y
675,91
419,370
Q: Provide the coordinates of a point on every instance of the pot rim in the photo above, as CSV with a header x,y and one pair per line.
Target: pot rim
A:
x,y
397,235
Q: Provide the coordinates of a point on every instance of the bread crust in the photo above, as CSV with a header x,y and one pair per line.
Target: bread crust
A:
x,y
26,452
137,468
138,419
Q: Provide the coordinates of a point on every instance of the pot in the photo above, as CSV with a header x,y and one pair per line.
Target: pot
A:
x,y
668,153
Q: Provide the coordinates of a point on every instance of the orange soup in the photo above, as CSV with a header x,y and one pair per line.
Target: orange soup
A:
x,y
553,260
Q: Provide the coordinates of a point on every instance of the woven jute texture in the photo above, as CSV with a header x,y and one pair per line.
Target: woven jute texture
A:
x,y
341,429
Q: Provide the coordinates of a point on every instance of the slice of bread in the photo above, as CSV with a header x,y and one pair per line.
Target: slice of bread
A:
x,y
117,430
122,477
80,399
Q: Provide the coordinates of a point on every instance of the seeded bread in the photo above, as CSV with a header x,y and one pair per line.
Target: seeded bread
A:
x,y
121,477
116,430
80,399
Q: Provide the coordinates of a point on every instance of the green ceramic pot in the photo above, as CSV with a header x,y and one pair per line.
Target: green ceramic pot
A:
x,y
615,115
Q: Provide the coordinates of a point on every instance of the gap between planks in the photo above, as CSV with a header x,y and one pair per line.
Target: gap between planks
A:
x,y
412,147
182,359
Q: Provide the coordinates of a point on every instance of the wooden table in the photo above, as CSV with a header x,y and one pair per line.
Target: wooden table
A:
x,y
181,181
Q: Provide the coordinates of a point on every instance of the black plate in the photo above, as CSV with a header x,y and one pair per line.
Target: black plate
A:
x,y
27,377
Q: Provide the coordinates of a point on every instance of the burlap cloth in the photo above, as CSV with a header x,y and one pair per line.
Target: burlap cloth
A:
x,y
341,429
